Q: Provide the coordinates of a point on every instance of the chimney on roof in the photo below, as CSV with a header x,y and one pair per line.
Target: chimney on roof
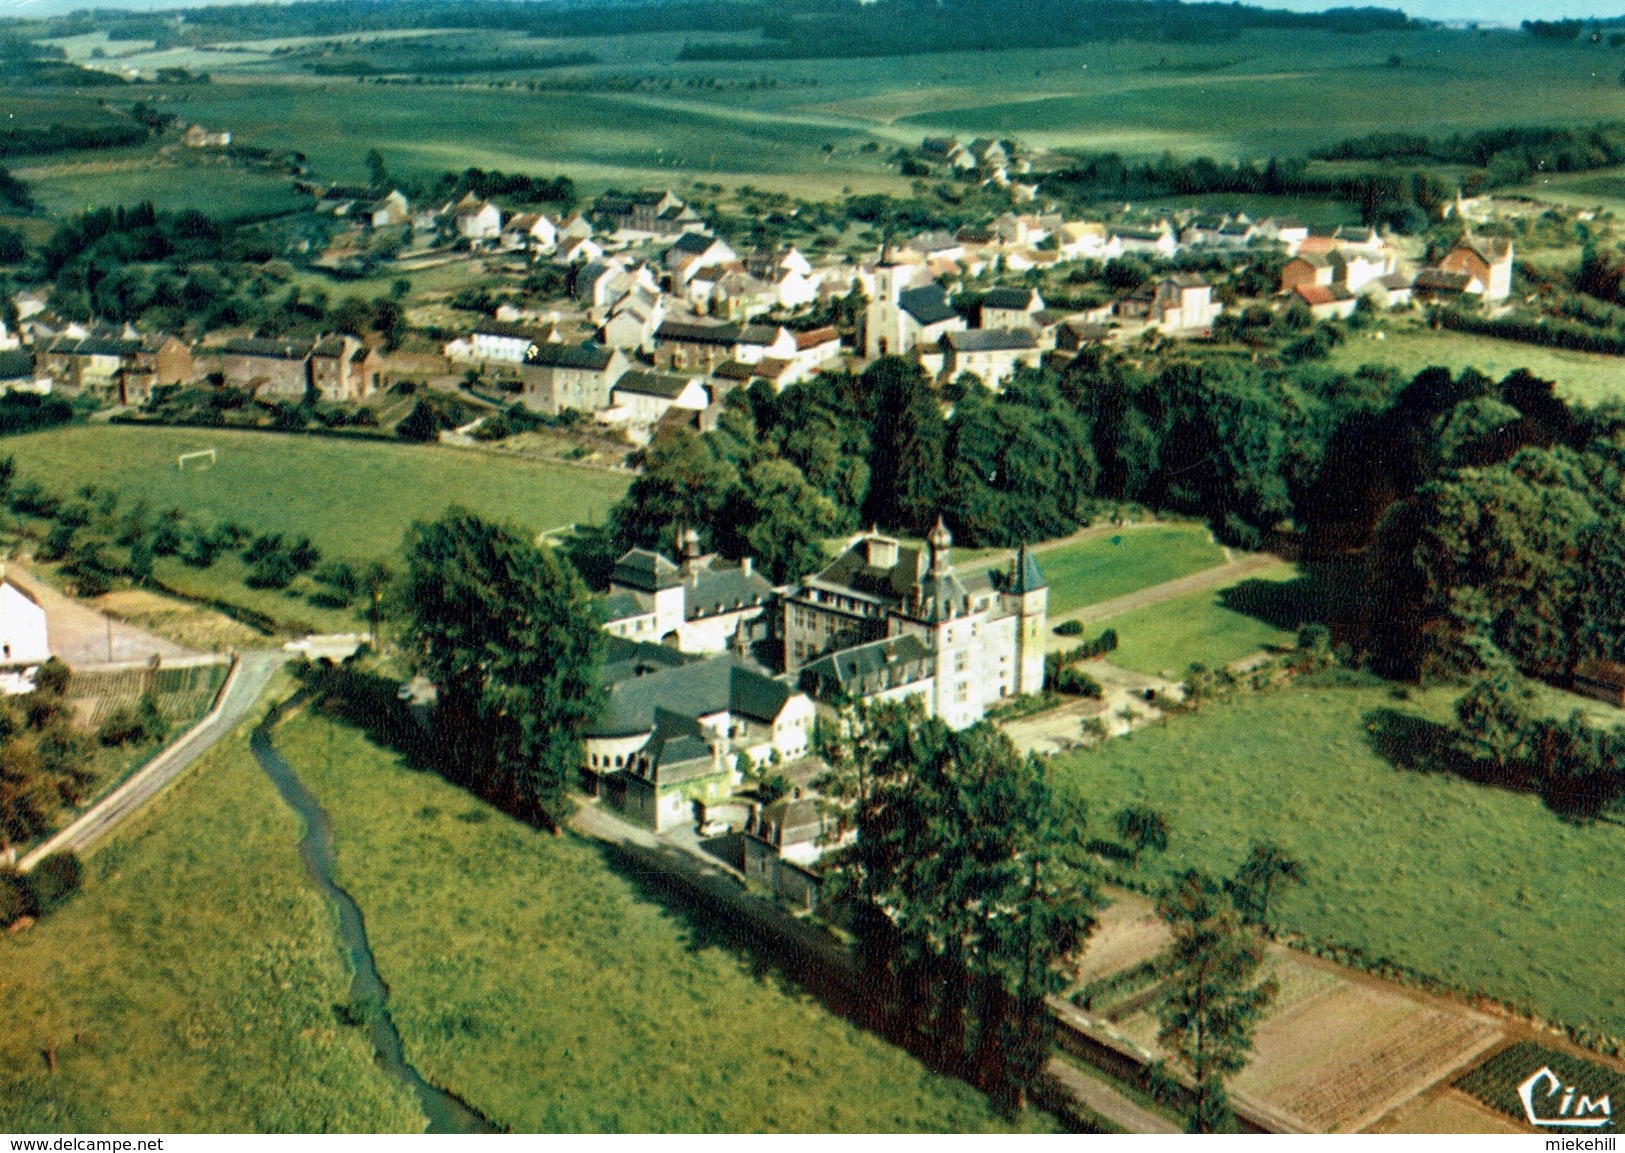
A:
x,y
747,565
690,549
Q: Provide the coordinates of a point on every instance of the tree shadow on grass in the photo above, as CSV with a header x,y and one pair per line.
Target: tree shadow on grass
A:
x,y
1323,592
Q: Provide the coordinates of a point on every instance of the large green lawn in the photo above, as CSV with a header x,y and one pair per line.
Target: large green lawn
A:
x,y
542,986
352,498
1481,887
1167,638
1586,377
1104,567
191,987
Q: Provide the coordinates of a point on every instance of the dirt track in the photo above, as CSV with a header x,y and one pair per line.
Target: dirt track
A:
x,y
82,637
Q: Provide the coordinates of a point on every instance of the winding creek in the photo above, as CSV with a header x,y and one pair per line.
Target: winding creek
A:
x,y
368,993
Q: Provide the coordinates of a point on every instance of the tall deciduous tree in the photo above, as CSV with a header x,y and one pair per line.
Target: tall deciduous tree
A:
x,y
506,633
1213,1004
1144,829
1267,867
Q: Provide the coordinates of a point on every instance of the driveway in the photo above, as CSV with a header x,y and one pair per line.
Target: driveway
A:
x,y
83,638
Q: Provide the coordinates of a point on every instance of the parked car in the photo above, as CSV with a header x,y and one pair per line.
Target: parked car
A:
x,y
714,828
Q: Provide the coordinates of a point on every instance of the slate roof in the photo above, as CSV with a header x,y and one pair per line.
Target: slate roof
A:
x,y
270,349
870,668
1025,574
589,356
672,330
852,570
646,570
625,659
1011,299
789,821
718,685
16,364
991,340
621,605
665,385
724,588
927,304
695,242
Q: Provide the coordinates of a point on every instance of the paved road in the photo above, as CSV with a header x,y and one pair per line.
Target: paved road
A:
x,y
250,678
84,638
1217,577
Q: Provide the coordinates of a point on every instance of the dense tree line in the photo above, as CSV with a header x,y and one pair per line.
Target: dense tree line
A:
x,y
1506,155
969,894
512,187
506,633
1547,331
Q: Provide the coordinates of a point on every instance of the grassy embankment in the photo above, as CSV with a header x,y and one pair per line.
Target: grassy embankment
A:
x,y
354,499
1480,887
548,990
1201,628
192,986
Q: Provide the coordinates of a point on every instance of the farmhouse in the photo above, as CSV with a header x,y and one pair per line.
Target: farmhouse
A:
x,y
24,639
633,320
989,353
697,347
1181,301
389,210
1326,302
575,377
1011,308
531,232
700,606
129,366
1487,264
336,367
984,634
640,400
505,342
477,220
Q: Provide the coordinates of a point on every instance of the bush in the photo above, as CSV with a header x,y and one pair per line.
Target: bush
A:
x,y
16,897
1069,629
1077,683
123,726
54,880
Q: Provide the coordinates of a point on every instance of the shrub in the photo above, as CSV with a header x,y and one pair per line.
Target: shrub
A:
x,y
54,880
123,726
1077,683
1069,629
16,897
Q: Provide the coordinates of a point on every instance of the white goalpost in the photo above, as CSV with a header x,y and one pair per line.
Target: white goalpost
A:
x,y
199,457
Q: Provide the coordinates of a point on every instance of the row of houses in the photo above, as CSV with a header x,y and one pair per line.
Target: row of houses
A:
x,y
1330,276
126,365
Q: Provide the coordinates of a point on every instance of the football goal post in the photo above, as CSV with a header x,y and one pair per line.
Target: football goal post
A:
x,y
200,459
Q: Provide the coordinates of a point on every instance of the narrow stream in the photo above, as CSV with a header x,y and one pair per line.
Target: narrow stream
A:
x,y
368,993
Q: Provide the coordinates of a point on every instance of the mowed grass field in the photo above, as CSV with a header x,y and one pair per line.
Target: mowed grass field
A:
x,y
1589,378
543,987
191,986
1104,567
1199,628
1481,887
354,499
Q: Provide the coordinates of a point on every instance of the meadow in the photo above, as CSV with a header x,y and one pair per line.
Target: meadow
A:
x,y
548,990
1200,628
1240,99
1589,378
354,499
1103,567
1480,887
192,986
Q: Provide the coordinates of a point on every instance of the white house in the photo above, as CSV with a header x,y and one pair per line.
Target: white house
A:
x,y
640,399
24,644
532,232
478,221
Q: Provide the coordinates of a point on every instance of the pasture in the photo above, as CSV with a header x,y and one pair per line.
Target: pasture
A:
x,y
1102,567
191,987
556,993
1165,639
354,499
1482,888
1242,99
1589,378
